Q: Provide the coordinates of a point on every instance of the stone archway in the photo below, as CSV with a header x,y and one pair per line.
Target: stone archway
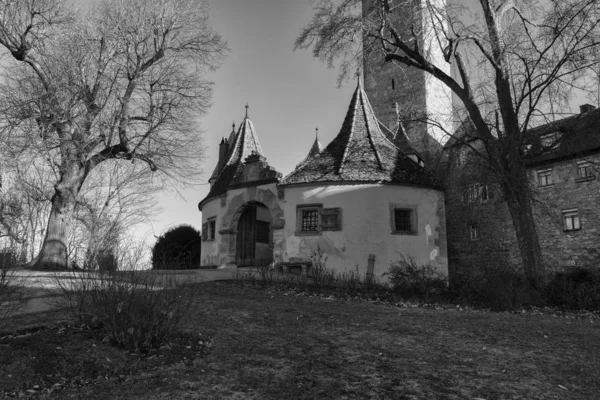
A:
x,y
230,221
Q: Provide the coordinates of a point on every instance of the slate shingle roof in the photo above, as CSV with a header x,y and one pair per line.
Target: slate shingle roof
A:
x,y
245,144
580,136
361,153
315,149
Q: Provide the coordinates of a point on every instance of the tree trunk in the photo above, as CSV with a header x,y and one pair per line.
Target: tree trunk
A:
x,y
53,254
520,206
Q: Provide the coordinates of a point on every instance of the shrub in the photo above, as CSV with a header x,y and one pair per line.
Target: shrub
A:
x,y
137,310
178,248
498,287
11,293
409,279
578,289
322,277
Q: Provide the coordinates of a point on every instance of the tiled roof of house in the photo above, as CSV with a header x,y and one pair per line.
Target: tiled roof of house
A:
x,y
361,153
245,144
579,134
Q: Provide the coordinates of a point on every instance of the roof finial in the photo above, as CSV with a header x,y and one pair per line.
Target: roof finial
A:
x,y
247,107
357,77
233,126
317,133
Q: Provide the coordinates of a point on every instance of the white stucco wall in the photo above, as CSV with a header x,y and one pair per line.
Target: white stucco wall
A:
x,y
367,227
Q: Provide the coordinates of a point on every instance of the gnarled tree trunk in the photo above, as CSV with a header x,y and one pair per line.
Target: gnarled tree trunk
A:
x,y
53,254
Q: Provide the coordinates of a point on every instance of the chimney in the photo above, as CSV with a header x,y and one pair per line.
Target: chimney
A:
x,y
223,148
586,108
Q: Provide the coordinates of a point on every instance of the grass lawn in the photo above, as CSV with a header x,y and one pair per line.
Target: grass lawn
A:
x,y
246,343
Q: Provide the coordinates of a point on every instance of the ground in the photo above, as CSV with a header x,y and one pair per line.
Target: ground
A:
x,y
248,343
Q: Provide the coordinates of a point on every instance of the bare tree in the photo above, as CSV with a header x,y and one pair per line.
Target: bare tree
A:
x,y
114,198
514,59
122,80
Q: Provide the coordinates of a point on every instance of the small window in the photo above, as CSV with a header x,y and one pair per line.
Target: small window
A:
x,y
545,177
393,84
475,193
473,232
310,220
403,219
584,169
483,193
550,141
204,232
313,219
571,220
212,224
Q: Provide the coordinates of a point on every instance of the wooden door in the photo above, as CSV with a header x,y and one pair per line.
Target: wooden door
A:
x,y
246,237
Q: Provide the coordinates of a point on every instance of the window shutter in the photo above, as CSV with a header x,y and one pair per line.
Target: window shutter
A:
x,y
331,219
204,232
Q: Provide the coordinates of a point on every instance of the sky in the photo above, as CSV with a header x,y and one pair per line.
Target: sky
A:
x,y
288,92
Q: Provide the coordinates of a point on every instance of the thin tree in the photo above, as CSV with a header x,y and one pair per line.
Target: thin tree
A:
x,y
513,58
122,80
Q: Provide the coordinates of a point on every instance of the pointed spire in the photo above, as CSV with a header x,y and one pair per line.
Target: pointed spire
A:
x,y
360,130
244,143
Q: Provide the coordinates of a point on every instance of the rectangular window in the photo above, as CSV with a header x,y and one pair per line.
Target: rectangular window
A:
x,y
204,232
212,224
545,177
403,219
310,220
475,193
313,219
483,193
474,232
571,220
584,169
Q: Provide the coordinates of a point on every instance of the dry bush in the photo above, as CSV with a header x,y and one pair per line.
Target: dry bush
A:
x,y
578,289
11,291
409,279
138,310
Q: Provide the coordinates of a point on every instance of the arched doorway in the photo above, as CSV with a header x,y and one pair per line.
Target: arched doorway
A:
x,y
254,236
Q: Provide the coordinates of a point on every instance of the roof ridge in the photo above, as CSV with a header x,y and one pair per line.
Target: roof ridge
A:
x,y
365,104
345,155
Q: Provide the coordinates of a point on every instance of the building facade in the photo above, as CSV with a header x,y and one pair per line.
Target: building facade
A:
x,y
562,160
364,200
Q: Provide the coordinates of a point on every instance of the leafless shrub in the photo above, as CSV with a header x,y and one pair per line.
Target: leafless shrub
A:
x,y
11,293
410,279
137,310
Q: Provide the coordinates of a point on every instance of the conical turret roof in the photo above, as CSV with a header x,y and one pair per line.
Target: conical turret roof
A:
x,y
244,145
361,152
315,149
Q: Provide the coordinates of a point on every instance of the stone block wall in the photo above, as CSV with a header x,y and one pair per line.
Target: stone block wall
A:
x,y
396,91
496,245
